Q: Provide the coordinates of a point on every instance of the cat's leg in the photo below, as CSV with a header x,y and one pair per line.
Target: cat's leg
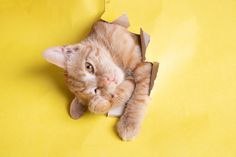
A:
x,y
77,109
103,103
123,92
130,122
121,96
99,104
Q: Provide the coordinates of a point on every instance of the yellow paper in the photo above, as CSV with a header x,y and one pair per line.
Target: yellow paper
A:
x,y
193,107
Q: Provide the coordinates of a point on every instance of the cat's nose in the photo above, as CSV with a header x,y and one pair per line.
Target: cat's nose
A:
x,y
110,79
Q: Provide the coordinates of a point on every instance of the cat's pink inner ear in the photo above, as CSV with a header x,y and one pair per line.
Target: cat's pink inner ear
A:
x,y
76,109
55,56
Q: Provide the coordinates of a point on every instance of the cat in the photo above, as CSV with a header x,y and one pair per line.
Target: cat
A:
x,y
106,70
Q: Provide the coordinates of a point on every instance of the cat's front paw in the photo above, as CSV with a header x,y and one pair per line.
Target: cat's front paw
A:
x,y
99,105
127,128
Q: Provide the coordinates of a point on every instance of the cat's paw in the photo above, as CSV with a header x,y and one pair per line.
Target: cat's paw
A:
x,y
99,105
127,128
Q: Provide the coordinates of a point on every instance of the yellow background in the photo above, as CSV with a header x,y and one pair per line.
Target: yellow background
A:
x,y
193,107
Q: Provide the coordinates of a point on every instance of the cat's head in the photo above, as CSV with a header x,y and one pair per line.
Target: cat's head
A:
x,y
89,69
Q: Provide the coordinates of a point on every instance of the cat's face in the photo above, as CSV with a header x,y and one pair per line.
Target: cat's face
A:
x,y
89,69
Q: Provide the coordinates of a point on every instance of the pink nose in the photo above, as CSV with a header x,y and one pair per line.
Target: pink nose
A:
x,y
109,79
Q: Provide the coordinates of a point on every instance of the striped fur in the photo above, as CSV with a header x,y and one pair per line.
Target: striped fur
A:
x,y
118,76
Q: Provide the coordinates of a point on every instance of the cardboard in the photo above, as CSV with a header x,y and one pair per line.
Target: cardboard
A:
x,y
145,39
155,67
122,20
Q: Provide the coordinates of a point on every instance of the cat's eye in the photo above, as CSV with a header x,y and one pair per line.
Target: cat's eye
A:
x,y
97,91
89,68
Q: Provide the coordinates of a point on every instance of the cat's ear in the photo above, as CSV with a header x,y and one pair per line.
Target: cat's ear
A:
x,y
76,109
55,56
122,20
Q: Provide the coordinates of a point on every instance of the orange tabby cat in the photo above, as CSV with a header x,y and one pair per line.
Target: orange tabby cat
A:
x,y
104,71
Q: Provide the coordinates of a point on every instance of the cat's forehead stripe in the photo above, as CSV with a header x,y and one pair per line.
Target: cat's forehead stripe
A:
x,y
88,50
97,52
